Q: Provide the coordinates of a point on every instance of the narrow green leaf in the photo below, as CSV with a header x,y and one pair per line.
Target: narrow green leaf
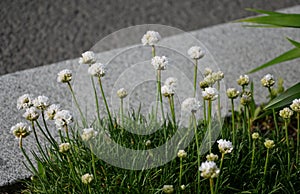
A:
x,y
285,98
264,11
283,20
287,56
293,42
41,169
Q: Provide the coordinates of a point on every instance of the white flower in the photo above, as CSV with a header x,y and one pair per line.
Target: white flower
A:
x,y
63,118
88,133
212,157
218,76
243,80
207,71
195,52
269,143
122,93
64,147
182,187
31,114
24,101
209,169
203,84
190,105
225,146
87,178
159,63
51,111
64,76
97,69
171,81
181,154
210,80
88,57
246,98
232,93
210,93
168,189
170,86
148,143
20,130
151,38
41,102
268,81
286,113
296,105
255,135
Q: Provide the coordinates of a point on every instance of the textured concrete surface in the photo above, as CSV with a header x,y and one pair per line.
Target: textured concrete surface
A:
x,y
36,32
230,47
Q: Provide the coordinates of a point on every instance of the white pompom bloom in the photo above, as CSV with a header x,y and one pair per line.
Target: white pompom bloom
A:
x,y
97,69
207,71
24,101
171,81
210,93
87,178
269,143
170,86
64,76
225,146
210,80
88,57
286,113
218,76
41,102
232,93
295,106
20,130
268,81
63,118
190,105
181,154
209,169
243,80
51,111
64,147
195,52
31,114
212,157
255,136
159,63
168,189
88,133
151,38
122,93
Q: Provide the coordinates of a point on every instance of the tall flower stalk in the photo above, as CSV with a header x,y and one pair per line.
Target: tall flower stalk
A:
x,y
122,93
168,90
232,93
255,136
181,154
295,106
268,144
210,171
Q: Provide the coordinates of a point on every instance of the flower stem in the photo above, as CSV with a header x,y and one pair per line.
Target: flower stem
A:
x,y
93,161
219,109
209,124
105,102
275,122
153,51
233,122
266,163
180,171
247,109
51,140
211,184
96,100
195,76
204,111
253,154
298,138
121,112
221,166
37,141
198,149
287,143
171,102
159,93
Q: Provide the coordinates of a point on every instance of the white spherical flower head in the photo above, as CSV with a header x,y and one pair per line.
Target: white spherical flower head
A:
x,y
181,154
151,38
268,81
159,63
203,84
88,133
209,169
88,57
195,52
24,101
218,76
232,93
269,144
210,80
295,106
246,98
255,136
286,113
243,80
64,147
225,146
210,93
122,93
212,157
168,189
170,86
20,130
171,81
51,111
63,118
41,102
31,114
190,105
97,69
87,178
64,76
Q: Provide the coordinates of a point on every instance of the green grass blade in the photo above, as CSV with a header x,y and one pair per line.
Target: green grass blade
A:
x,y
264,11
287,56
283,20
293,42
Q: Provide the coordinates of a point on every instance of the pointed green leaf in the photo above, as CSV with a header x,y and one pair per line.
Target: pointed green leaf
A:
x,y
295,43
41,169
283,20
264,11
287,56
285,98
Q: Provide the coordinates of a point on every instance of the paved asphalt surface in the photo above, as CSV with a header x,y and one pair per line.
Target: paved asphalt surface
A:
x,y
37,32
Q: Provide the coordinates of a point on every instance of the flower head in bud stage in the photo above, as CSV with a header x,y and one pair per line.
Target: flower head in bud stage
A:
x,y
195,52
286,113
255,136
64,147
88,57
41,102
218,76
181,154
212,157
246,98
168,189
190,105
295,106
51,111
159,63
63,118
209,169
64,76
97,69
20,130
225,146
209,79
87,178
268,81
232,93
88,133
151,38
182,187
31,114
269,143
122,93
207,71
210,93
24,101
243,80
203,84
148,143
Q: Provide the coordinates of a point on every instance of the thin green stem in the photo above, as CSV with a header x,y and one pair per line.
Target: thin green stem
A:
x,y
253,155
93,160
221,166
198,149
211,185
180,171
266,163
173,110
121,112
96,100
276,125
204,111
209,124
247,109
52,141
219,109
287,143
233,123
195,76
159,93
153,50
105,102
298,137
37,140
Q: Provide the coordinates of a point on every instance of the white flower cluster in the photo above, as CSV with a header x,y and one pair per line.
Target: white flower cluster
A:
x,y
159,63
63,118
64,147
88,133
151,38
87,178
181,154
168,89
210,78
64,76
246,97
212,157
210,93
195,52
286,113
209,169
225,146
88,58
268,81
243,80
232,93
41,102
20,130
31,114
51,111
295,106
24,101
269,144
168,189
255,136
122,93
97,69
190,105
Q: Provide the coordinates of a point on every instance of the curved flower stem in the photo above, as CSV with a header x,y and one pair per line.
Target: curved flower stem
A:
x,y
298,137
37,141
53,142
159,94
233,123
105,102
211,185
253,155
209,124
287,143
96,100
198,148
195,76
